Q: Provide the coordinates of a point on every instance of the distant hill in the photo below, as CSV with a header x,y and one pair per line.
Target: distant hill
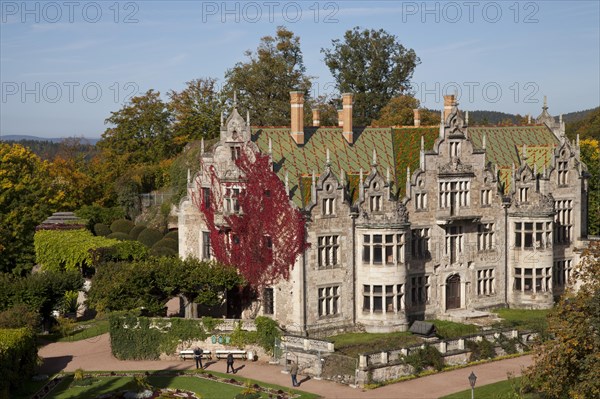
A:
x,y
19,137
493,118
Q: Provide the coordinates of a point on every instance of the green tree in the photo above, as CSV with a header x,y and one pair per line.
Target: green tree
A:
x,y
590,155
140,132
200,282
266,78
567,366
374,66
150,283
42,292
196,111
27,197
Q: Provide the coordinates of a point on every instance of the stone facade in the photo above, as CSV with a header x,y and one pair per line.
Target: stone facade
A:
x,y
411,223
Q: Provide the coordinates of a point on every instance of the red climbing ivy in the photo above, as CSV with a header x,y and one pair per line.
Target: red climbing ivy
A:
x,y
262,240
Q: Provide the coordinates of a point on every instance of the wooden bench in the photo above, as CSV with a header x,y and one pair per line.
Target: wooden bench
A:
x,y
189,353
239,354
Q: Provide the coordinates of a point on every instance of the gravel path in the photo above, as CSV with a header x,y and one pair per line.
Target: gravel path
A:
x,y
94,355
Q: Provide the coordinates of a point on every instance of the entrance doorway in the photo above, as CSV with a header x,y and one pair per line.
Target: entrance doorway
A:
x,y
453,292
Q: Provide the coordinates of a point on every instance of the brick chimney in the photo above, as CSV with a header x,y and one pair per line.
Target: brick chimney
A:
x,y
316,117
417,117
448,104
340,117
347,117
297,119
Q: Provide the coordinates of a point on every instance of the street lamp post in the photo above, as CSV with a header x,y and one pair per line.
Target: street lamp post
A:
x,y
472,379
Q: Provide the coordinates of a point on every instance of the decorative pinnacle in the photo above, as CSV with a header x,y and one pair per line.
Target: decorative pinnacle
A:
x,y
221,118
361,177
342,177
327,159
577,141
247,118
467,117
287,183
422,143
270,146
189,176
387,175
374,157
314,180
234,98
545,103
483,141
202,146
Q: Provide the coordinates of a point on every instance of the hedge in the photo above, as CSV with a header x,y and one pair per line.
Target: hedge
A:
x,y
18,359
143,338
173,234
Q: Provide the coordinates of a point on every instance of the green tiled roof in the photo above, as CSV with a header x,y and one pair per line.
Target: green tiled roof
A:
x,y
504,146
397,149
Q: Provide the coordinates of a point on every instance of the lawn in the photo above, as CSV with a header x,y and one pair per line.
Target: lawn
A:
x,y
353,344
82,330
523,319
208,389
498,390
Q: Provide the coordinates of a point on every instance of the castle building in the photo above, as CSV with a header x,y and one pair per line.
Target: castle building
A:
x,y
411,222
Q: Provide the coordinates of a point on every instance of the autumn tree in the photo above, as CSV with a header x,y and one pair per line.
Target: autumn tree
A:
x,y
27,197
374,66
196,111
399,112
567,365
264,81
265,238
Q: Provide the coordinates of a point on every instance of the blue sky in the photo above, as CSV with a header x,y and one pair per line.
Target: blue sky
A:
x,y
65,65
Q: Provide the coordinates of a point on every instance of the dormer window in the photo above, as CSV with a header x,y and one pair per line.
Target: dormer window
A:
x,y
328,206
235,152
523,194
563,173
454,149
376,203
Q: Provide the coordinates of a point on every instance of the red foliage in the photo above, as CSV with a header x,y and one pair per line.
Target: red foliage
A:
x,y
264,239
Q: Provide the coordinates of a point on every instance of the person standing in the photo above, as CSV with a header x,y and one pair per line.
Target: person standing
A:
x,y
230,363
198,357
294,373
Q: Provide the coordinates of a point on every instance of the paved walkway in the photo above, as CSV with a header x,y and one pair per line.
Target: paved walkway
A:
x,y
94,355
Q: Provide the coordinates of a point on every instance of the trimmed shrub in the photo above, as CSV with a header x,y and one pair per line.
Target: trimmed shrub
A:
x,y
119,236
162,251
167,243
173,234
18,359
149,237
101,229
122,226
135,232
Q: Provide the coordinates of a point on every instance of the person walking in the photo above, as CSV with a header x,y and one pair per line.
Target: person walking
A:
x,y
198,357
230,363
294,373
